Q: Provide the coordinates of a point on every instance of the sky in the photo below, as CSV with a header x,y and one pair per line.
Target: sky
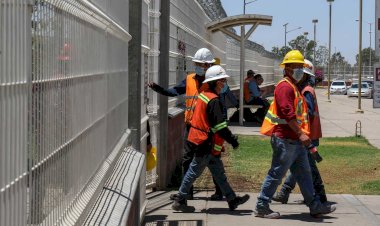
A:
x,y
300,13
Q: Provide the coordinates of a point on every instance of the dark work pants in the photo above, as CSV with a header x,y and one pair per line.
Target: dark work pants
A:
x,y
188,156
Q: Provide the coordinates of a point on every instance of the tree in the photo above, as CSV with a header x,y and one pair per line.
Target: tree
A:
x,y
322,55
365,57
338,59
301,43
280,52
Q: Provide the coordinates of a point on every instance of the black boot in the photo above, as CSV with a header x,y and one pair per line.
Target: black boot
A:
x,y
173,196
180,204
191,193
234,203
216,197
317,209
282,197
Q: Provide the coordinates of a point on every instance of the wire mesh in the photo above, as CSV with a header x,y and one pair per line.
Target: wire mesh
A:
x,y
64,105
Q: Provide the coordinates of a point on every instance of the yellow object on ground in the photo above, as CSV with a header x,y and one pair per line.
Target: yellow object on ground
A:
x,y
151,159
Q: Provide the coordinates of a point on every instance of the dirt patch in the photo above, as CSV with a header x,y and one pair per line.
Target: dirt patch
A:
x,y
237,181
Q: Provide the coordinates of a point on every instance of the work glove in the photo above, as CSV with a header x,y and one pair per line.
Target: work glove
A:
x,y
153,85
314,153
235,144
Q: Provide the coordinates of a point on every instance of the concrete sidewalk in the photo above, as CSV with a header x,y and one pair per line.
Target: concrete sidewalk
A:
x,y
338,120
352,210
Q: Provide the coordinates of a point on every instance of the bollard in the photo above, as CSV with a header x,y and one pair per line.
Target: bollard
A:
x,y
358,126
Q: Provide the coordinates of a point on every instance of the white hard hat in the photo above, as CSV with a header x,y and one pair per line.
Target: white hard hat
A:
x,y
215,72
203,55
308,68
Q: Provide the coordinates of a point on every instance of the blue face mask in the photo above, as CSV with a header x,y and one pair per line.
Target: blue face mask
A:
x,y
225,88
199,70
298,73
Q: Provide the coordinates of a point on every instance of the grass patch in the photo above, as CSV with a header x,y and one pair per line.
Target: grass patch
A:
x,y
351,165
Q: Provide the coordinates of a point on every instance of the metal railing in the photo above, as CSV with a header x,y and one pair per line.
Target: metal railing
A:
x,y
64,105
344,72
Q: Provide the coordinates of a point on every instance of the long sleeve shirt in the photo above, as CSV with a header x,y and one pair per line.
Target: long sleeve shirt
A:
x,y
177,90
215,117
284,95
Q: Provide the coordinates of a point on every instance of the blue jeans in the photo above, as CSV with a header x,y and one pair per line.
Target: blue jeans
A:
x,y
216,167
319,188
287,154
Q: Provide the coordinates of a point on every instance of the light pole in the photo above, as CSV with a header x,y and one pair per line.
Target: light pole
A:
x,y
370,45
304,52
315,21
329,75
286,31
360,59
246,3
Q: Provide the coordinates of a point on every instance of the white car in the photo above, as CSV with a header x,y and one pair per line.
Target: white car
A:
x,y
365,90
338,87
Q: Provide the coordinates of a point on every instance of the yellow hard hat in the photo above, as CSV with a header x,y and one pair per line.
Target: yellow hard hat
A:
x,y
217,61
293,57
151,159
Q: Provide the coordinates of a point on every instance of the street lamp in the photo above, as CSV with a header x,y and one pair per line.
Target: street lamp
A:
x,y
305,34
315,21
329,77
370,45
360,59
286,31
246,3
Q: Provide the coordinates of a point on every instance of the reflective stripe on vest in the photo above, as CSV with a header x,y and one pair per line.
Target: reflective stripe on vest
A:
x,y
191,96
272,119
200,129
315,122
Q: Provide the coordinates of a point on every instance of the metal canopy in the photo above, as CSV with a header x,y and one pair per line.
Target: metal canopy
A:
x,y
224,24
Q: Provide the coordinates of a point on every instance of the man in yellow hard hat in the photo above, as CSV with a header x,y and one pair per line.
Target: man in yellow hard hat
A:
x,y
287,124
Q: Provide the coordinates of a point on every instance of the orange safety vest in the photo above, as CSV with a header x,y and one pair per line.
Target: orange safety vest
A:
x,y
272,119
193,88
200,130
315,122
247,94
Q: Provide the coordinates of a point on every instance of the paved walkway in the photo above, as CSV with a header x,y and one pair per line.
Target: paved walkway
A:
x,y
338,120
352,211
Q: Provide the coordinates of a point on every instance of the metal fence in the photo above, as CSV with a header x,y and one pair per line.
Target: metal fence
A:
x,y
344,72
64,105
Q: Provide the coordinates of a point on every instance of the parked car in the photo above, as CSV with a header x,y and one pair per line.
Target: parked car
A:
x,y
370,83
338,87
366,91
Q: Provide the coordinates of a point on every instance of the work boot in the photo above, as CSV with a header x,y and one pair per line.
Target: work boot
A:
x,y
266,212
282,197
216,197
234,203
190,196
173,196
323,198
180,204
317,209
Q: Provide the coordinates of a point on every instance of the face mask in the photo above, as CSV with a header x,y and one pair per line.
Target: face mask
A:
x,y
225,88
199,70
298,73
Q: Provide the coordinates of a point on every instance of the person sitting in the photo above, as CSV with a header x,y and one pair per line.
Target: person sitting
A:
x,y
256,97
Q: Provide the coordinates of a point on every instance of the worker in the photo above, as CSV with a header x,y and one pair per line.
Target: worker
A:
x,y
287,124
306,85
208,130
191,86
